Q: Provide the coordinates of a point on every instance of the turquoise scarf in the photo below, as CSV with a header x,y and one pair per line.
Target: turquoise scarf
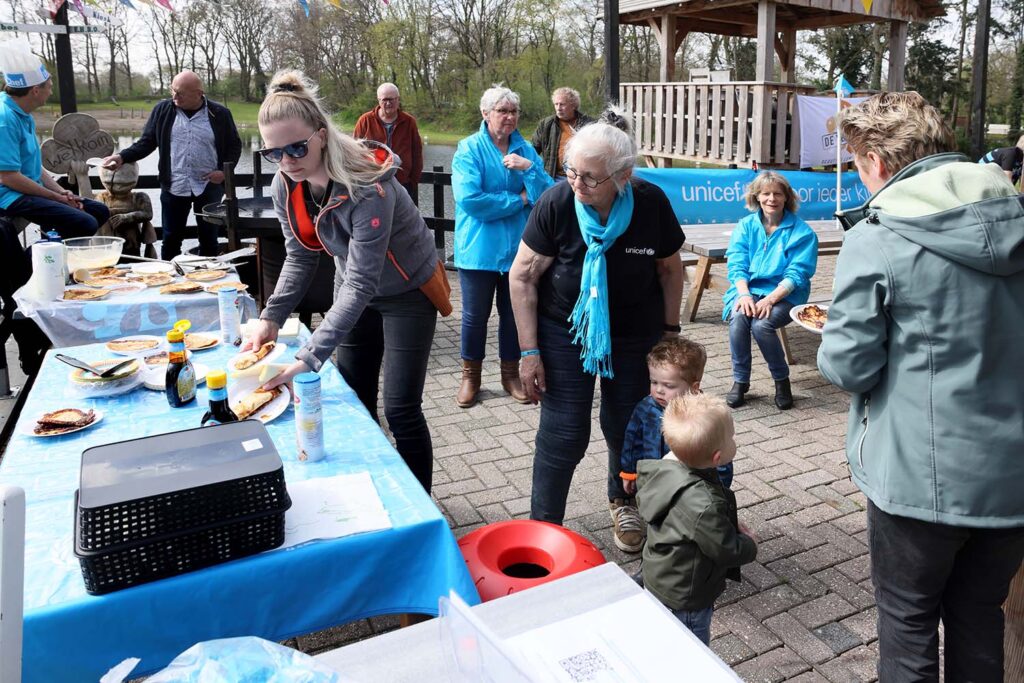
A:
x,y
589,317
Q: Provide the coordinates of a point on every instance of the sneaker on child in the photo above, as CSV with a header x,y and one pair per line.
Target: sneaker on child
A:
x,y
629,528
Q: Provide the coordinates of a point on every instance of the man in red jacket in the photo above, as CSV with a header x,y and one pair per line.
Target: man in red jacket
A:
x,y
388,124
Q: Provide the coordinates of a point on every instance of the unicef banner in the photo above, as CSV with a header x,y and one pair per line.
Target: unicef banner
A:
x,y
716,195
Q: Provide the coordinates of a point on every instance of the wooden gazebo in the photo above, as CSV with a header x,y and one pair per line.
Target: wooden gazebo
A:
x,y
737,122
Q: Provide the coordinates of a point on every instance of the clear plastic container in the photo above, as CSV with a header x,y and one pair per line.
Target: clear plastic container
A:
x,y
93,252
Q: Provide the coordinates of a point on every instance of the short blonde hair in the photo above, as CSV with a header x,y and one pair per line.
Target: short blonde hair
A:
x,y
687,357
695,427
763,180
573,95
900,127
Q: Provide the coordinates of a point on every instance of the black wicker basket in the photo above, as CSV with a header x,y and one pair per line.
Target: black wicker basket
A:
x,y
201,497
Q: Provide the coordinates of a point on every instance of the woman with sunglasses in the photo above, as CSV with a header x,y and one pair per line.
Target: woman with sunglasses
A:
x,y
335,194
596,283
496,178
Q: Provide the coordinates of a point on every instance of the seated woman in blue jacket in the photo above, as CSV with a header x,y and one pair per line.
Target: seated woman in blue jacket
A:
x,y
771,258
497,176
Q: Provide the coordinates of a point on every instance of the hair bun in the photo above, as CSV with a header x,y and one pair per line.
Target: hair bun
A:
x,y
286,87
290,81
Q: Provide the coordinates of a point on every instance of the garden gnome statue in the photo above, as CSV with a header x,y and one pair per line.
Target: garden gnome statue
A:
x,y
131,213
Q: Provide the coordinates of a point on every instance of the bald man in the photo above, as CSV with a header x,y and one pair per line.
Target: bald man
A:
x,y
195,136
388,124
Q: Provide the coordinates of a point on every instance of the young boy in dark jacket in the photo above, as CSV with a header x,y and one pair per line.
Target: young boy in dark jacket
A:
x,y
694,541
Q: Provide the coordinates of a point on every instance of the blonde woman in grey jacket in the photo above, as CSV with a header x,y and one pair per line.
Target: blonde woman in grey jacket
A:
x,y
336,194
925,331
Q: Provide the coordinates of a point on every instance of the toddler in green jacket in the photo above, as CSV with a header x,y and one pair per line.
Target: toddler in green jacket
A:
x,y
694,540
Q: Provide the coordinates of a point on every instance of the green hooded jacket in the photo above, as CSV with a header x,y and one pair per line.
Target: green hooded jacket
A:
x,y
926,330
693,543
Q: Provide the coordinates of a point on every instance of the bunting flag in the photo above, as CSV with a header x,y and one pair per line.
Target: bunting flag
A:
x,y
128,3
305,7
78,6
166,4
843,87
336,3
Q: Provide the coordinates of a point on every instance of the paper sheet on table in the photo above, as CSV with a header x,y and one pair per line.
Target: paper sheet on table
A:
x,y
331,507
631,640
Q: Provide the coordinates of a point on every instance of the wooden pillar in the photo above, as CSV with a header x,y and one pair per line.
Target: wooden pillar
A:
x,y
1013,638
665,31
785,47
760,148
979,79
897,55
611,51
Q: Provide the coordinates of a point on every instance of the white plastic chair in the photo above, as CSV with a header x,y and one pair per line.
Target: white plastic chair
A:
x,y
12,581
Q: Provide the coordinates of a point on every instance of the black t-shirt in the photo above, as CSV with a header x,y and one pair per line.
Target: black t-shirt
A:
x,y
1009,159
635,301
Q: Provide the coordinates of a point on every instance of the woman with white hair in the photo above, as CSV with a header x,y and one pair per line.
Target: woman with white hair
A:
x,y
336,194
596,283
496,178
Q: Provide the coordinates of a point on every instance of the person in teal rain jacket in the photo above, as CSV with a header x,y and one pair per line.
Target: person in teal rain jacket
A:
x,y
771,258
497,176
925,331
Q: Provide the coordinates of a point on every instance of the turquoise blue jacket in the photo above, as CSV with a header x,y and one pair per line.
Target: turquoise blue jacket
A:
x,y
925,331
19,149
789,253
489,211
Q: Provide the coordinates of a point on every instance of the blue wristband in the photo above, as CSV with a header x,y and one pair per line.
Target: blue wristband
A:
x,y
529,352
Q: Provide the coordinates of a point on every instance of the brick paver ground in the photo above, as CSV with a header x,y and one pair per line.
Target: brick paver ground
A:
x,y
805,609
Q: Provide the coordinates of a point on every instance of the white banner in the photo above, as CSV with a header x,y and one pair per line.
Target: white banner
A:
x,y
816,117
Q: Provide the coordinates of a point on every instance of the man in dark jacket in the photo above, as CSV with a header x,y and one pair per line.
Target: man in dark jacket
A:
x,y
554,132
196,136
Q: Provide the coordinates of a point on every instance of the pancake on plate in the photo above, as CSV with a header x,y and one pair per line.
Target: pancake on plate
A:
x,y
205,275
251,358
250,404
132,344
157,359
80,376
85,294
153,279
109,271
181,288
103,282
63,420
198,342
213,289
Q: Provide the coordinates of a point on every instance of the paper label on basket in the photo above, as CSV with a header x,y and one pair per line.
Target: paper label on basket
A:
x,y
332,507
252,445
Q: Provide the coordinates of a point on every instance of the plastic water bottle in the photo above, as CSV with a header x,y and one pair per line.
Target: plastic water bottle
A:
x,y
309,418
54,236
227,307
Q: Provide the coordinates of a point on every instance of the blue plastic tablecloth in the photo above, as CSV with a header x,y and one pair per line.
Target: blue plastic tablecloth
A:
x,y
72,636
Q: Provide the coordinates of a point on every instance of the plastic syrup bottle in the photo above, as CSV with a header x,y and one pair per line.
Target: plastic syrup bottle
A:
x,y
180,380
220,411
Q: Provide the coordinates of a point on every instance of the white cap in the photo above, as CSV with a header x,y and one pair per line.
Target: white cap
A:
x,y
21,68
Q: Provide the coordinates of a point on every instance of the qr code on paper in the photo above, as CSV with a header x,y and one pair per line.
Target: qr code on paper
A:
x,y
585,666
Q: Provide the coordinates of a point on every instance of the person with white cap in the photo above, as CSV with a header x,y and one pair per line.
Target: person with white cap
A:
x,y
26,190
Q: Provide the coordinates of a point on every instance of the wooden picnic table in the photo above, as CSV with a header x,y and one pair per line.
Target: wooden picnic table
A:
x,y
710,241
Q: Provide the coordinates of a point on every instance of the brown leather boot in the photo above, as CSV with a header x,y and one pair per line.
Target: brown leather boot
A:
x,y
470,386
510,381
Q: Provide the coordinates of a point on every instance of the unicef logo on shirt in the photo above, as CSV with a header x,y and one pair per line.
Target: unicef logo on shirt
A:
x,y
640,251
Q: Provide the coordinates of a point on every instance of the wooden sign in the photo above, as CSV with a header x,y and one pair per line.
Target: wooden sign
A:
x,y
76,137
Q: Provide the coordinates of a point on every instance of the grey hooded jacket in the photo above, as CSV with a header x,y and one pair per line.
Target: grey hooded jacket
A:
x,y
926,330
381,247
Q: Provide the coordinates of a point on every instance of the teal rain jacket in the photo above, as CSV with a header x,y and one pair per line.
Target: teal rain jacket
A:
x,y
926,330
789,253
489,211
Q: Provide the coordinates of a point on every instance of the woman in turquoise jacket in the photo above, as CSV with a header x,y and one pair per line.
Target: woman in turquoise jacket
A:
x,y
771,258
496,178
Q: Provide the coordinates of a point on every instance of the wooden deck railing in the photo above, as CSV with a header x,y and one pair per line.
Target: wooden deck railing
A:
x,y
736,122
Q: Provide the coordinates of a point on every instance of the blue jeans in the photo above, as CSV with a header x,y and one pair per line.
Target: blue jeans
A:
x,y
478,290
50,215
698,621
174,215
565,414
741,327
396,332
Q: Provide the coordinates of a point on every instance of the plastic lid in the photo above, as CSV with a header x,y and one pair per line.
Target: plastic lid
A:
x,y
305,378
216,379
183,325
174,335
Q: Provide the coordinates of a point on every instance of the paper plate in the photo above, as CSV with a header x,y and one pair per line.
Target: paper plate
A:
x,y
267,413
29,428
150,268
274,354
794,313
155,344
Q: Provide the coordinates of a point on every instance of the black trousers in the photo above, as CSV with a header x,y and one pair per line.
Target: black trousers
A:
x,y
396,332
924,572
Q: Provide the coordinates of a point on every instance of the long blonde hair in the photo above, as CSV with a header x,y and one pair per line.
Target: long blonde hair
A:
x,y
348,162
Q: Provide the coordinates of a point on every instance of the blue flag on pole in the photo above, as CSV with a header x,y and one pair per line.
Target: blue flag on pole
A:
x,y
128,3
843,87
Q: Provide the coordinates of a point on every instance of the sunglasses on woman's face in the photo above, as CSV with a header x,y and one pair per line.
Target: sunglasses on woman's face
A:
x,y
295,150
